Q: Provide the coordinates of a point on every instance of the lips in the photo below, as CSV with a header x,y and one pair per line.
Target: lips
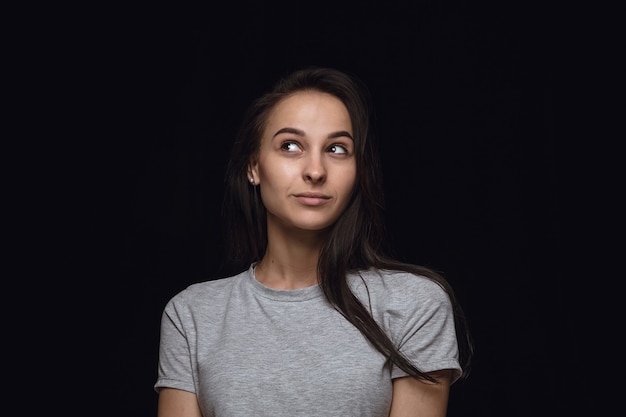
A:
x,y
312,199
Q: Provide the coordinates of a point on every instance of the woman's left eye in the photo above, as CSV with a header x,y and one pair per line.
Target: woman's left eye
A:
x,y
338,149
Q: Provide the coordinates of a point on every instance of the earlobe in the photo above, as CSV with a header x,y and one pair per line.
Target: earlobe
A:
x,y
252,173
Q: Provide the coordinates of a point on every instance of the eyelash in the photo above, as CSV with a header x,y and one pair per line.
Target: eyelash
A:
x,y
337,145
284,146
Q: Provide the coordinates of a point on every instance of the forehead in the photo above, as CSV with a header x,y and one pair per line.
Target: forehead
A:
x,y
310,106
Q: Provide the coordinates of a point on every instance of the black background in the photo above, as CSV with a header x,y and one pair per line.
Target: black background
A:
x,y
463,96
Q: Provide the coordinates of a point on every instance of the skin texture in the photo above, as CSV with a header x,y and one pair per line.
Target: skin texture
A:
x,y
305,171
177,403
413,398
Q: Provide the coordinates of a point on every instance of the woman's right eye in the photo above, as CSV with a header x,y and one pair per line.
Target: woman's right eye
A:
x,y
290,146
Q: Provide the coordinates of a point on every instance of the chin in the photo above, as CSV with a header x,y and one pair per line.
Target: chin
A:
x,y
313,226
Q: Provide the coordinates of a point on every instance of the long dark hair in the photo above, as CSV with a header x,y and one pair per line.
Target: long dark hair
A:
x,y
357,241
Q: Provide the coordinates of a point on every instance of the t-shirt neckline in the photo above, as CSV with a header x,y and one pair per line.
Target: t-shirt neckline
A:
x,y
300,294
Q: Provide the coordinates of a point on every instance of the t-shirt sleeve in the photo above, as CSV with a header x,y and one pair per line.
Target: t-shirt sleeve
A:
x,y
421,324
175,368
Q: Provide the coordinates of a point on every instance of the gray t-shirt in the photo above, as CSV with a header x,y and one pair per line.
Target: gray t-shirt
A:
x,y
249,350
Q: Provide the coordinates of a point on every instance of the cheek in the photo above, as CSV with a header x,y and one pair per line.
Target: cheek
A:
x,y
350,177
276,172
347,184
349,188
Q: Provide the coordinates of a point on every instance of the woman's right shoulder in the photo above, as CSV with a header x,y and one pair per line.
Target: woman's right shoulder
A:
x,y
203,301
213,289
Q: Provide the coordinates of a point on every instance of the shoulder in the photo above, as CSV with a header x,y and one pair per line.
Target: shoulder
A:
x,y
400,295
200,303
399,285
205,293
406,304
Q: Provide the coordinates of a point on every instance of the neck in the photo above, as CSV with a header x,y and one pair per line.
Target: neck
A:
x,y
290,261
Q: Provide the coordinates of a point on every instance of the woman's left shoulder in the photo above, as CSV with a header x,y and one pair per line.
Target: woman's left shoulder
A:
x,y
399,285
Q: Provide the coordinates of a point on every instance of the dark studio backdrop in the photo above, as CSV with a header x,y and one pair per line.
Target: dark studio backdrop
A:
x,y
463,100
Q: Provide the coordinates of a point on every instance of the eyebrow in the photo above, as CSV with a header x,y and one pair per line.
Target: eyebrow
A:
x,y
299,132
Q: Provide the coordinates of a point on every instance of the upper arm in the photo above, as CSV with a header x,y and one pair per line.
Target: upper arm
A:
x,y
417,398
178,403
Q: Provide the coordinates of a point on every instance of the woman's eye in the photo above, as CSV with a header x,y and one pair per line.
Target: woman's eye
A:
x,y
338,149
290,146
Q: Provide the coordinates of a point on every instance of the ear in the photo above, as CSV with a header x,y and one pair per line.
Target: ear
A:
x,y
253,172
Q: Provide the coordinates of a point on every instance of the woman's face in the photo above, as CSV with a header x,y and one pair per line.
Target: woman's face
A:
x,y
306,166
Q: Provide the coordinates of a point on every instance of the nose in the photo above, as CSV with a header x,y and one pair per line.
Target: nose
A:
x,y
314,171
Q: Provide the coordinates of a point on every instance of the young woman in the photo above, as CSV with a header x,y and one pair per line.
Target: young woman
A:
x,y
316,319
